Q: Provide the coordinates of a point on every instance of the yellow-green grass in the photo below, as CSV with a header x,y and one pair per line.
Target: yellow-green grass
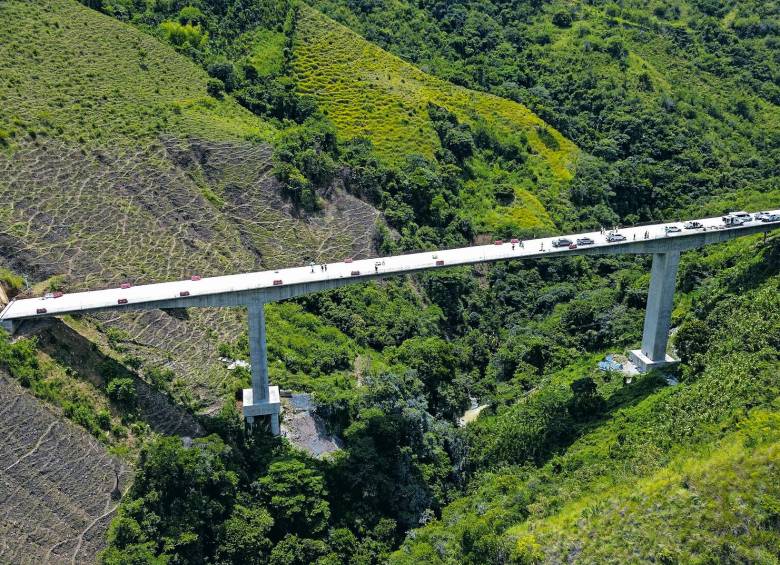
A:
x,y
265,50
70,72
722,498
368,92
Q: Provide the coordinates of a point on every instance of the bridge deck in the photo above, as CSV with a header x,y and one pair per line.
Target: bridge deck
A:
x,y
169,294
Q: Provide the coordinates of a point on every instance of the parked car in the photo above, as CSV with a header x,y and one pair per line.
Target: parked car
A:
x,y
771,218
585,241
561,242
742,215
693,225
615,236
672,229
759,216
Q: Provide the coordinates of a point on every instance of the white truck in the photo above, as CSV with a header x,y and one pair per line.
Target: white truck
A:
x,y
733,220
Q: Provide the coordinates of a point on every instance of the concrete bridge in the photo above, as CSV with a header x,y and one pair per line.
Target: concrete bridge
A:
x,y
254,290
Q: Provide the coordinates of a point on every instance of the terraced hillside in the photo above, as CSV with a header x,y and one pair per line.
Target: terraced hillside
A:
x,y
131,171
368,92
58,486
116,165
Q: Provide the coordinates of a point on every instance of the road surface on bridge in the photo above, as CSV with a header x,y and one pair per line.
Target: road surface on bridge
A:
x,y
639,239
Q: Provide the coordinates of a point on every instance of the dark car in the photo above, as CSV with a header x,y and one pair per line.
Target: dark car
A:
x,y
585,241
562,242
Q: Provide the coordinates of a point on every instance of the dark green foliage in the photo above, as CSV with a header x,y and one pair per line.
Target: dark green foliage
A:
x,y
304,160
243,537
215,87
586,403
122,391
178,500
295,496
224,71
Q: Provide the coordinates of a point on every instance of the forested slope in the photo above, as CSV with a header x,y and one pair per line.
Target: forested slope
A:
x,y
676,101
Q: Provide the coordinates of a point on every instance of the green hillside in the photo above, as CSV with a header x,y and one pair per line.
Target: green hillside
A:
x,y
118,165
146,141
675,100
609,478
73,75
367,92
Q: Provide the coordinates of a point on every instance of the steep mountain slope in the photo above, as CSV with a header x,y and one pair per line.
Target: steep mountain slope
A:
x,y
655,453
367,92
117,165
120,166
677,100
58,486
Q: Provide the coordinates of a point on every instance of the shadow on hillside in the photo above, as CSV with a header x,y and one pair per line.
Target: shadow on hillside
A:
x,y
79,355
634,393
758,273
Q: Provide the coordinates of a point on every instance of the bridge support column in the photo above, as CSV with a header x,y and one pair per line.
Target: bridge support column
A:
x,y
261,399
658,316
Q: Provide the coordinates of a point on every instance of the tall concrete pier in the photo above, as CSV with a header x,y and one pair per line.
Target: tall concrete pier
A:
x,y
261,399
658,315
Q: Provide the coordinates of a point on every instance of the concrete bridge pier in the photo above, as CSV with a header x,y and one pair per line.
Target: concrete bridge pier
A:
x,y
658,315
261,399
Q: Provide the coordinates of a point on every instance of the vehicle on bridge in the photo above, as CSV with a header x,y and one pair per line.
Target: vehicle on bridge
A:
x,y
615,236
733,220
672,229
561,242
585,241
770,218
693,225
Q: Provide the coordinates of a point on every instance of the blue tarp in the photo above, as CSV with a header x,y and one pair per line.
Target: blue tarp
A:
x,y
609,364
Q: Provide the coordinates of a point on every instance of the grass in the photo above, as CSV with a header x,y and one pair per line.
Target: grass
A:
x,y
368,92
69,72
265,50
719,503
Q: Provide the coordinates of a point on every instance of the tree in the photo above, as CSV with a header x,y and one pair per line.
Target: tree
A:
x,y
122,390
562,19
224,71
294,550
215,87
296,497
243,538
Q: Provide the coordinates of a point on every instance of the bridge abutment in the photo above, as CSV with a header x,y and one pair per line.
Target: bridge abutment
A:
x,y
658,315
261,399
